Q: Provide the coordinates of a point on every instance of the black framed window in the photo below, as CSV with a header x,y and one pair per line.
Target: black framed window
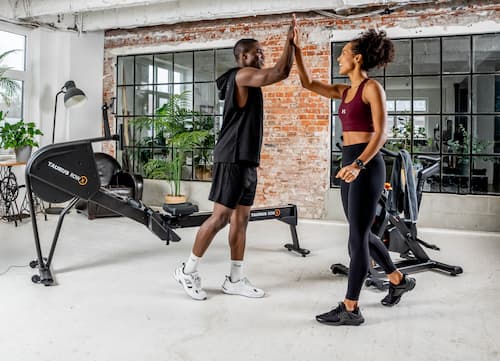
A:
x,y
145,83
443,99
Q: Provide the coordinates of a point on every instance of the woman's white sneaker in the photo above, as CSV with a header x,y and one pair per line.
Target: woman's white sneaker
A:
x,y
191,283
242,288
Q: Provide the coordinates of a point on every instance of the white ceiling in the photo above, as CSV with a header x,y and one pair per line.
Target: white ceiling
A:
x,y
91,15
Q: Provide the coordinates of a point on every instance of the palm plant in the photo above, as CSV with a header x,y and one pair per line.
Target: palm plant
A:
x,y
173,127
8,87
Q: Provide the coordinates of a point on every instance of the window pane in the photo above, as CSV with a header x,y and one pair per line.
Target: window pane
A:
x,y
376,72
125,95
432,183
335,167
485,135
125,74
217,125
164,71
144,69
336,133
486,92
485,175
455,134
402,58
426,96
456,94
336,102
141,157
10,41
426,56
204,65
142,131
456,54
13,105
399,132
224,60
204,98
426,133
399,91
219,104
126,125
163,93
486,52
183,67
181,88
455,174
144,100
336,51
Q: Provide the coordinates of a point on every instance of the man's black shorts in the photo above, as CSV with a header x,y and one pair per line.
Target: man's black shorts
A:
x,y
233,184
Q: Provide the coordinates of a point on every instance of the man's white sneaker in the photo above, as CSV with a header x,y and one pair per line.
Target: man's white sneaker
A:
x,y
243,288
191,283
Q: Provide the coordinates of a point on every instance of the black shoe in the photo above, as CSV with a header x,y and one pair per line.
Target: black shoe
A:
x,y
340,316
396,291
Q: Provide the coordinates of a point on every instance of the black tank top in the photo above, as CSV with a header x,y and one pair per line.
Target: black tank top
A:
x,y
240,137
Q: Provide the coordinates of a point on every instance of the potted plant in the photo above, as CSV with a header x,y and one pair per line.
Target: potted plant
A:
x,y
19,136
174,127
182,144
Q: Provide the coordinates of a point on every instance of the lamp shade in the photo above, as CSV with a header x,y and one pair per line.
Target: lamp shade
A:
x,y
73,95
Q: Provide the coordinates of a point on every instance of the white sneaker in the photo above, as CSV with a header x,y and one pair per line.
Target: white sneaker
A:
x,y
191,283
243,288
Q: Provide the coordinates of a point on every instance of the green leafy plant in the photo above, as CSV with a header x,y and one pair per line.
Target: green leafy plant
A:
x,y
17,135
156,169
8,87
478,146
176,131
182,143
401,135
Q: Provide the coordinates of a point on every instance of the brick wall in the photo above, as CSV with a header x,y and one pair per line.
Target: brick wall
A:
x,y
296,152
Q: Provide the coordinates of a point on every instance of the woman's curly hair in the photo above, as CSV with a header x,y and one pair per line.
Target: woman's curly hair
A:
x,y
375,48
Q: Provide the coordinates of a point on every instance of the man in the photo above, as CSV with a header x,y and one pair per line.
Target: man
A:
x,y
236,156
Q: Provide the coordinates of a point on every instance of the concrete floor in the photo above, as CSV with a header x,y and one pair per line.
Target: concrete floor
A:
x,y
116,299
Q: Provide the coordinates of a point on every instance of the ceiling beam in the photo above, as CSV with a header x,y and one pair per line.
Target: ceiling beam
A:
x,y
185,11
36,8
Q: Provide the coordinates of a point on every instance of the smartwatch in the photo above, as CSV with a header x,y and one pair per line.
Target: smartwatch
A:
x,y
359,163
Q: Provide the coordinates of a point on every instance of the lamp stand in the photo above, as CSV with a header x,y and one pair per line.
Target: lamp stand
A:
x,y
50,209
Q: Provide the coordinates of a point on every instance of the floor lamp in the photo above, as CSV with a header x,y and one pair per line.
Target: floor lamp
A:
x,y
72,97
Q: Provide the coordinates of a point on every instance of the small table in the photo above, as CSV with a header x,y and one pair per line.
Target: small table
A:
x,y
9,192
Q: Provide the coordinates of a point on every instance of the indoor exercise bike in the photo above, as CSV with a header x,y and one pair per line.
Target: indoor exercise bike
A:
x,y
400,234
67,172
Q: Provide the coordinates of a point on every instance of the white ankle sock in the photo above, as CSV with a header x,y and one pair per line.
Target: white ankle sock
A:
x,y
191,264
236,270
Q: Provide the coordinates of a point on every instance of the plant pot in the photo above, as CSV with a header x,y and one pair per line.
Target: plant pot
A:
x,y
23,153
171,199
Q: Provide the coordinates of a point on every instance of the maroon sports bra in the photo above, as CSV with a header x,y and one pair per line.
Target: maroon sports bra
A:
x,y
356,116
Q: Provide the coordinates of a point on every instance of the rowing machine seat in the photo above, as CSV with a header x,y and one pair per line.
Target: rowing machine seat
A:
x,y
180,209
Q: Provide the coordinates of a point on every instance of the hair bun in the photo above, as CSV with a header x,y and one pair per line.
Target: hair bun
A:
x,y
377,50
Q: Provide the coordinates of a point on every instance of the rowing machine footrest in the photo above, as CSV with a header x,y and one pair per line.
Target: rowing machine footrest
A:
x,y
180,209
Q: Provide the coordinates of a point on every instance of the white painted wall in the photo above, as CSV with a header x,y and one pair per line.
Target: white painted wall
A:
x,y
56,58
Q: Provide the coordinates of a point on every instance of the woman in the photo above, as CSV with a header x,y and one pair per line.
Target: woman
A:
x,y
363,117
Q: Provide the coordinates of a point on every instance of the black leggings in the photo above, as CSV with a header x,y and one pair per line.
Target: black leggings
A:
x,y
360,199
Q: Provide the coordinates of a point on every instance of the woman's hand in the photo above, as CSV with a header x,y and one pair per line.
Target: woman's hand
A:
x,y
294,32
349,173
